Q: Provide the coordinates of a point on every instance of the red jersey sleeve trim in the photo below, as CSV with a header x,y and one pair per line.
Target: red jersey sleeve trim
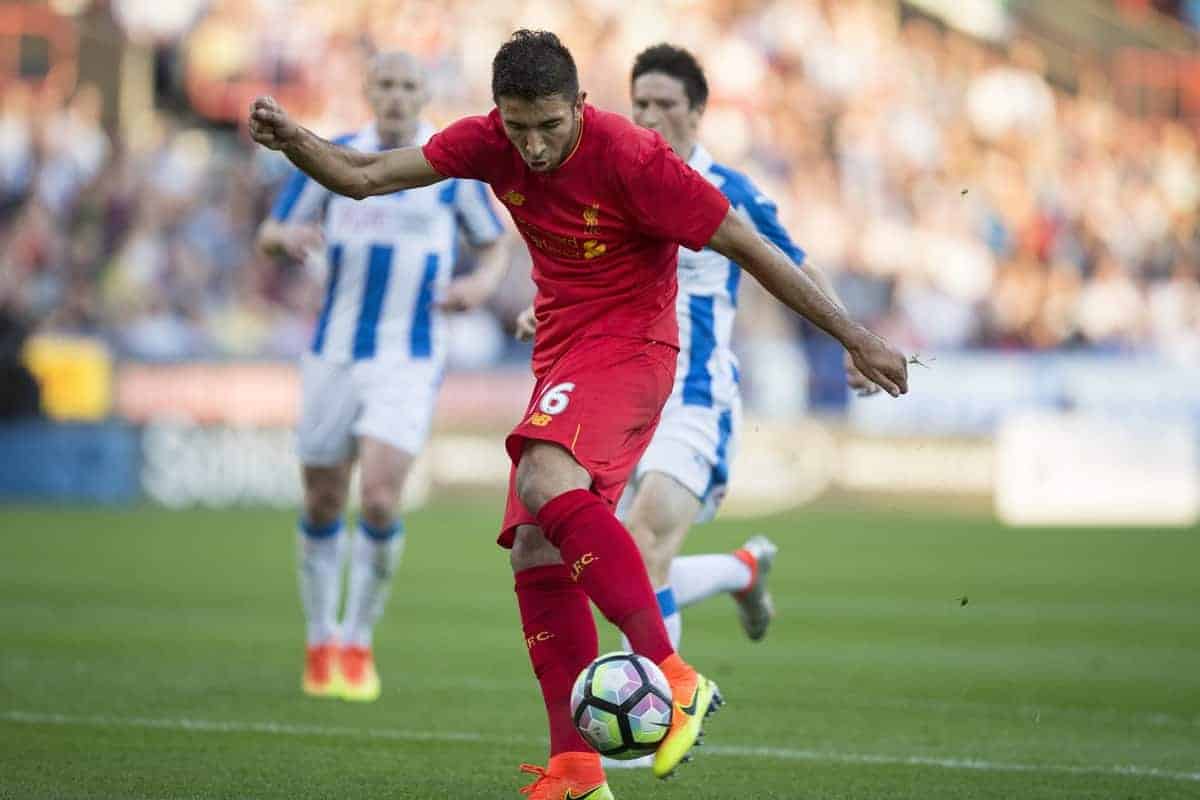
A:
x,y
432,160
430,164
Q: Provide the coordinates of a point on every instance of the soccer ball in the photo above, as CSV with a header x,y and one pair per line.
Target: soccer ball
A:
x,y
621,705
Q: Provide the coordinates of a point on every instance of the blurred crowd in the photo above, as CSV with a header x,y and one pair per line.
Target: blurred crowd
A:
x,y
959,198
1186,11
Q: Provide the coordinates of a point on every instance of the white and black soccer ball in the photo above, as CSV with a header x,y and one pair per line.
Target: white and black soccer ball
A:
x,y
621,705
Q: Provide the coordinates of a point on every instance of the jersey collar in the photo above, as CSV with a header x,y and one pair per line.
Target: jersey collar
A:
x,y
701,160
582,132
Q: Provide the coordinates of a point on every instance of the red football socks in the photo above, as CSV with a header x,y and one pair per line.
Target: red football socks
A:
x,y
679,674
602,557
560,635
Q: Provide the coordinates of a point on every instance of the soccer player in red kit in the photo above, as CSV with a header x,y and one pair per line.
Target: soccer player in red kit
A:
x,y
602,205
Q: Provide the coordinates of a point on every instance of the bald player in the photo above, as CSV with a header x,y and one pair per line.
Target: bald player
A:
x,y
370,379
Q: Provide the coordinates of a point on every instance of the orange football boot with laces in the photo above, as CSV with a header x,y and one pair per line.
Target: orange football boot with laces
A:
x,y
568,776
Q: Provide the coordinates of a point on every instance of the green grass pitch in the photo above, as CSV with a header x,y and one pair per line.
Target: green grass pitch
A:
x,y
155,654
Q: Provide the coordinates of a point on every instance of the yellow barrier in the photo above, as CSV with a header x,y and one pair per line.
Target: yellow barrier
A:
x,y
75,376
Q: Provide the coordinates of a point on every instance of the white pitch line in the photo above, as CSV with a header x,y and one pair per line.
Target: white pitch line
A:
x,y
778,753
788,754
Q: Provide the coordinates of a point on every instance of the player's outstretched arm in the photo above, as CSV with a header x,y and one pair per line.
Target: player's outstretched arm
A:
x,y
875,358
857,381
339,169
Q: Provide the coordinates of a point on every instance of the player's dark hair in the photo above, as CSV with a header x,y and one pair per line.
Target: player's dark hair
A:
x,y
677,63
532,65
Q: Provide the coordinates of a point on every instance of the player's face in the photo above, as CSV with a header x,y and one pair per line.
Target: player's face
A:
x,y
545,130
396,93
660,103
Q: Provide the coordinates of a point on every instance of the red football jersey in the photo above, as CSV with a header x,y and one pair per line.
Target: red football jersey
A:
x,y
603,228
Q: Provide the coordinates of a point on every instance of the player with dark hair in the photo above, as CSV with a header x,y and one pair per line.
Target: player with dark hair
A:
x,y
602,205
683,476
678,64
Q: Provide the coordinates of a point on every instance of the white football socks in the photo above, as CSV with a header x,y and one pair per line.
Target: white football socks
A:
x,y
374,556
319,562
696,578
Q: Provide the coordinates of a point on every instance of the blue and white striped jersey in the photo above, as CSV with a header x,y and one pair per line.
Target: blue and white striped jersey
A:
x,y
389,258
707,372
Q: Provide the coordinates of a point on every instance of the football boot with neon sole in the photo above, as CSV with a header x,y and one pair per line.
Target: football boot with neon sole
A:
x,y
360,681
755,606
569,776
321,675
694,698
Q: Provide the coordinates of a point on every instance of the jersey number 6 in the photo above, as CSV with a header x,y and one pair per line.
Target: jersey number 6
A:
x,y
555,399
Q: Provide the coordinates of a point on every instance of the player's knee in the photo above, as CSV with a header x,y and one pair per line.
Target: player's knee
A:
x,y
546,471
322,506
532,549
532,486
378,505
378,515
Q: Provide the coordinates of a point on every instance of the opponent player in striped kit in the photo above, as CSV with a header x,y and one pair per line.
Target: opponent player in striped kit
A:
x,y
684,474
603,206
371,379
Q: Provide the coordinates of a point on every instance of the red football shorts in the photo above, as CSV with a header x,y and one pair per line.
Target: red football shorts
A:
x,y
601,401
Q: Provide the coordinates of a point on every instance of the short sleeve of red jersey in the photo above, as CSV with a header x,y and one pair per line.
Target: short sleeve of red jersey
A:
x,y
669,199
464,149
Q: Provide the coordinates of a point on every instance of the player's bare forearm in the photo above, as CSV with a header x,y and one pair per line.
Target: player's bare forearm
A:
x,y
741,243
475,289
339,169
356,174
878,361
862,385
821,278
493,264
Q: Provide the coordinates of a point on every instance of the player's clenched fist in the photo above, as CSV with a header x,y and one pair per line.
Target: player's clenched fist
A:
x,y
526,325
880,363
270,125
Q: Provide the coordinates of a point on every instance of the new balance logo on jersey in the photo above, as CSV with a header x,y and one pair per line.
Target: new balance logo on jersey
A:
x,y
581,564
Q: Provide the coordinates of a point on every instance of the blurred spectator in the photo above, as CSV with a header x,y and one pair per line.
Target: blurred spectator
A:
x,y
958,198
19,393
